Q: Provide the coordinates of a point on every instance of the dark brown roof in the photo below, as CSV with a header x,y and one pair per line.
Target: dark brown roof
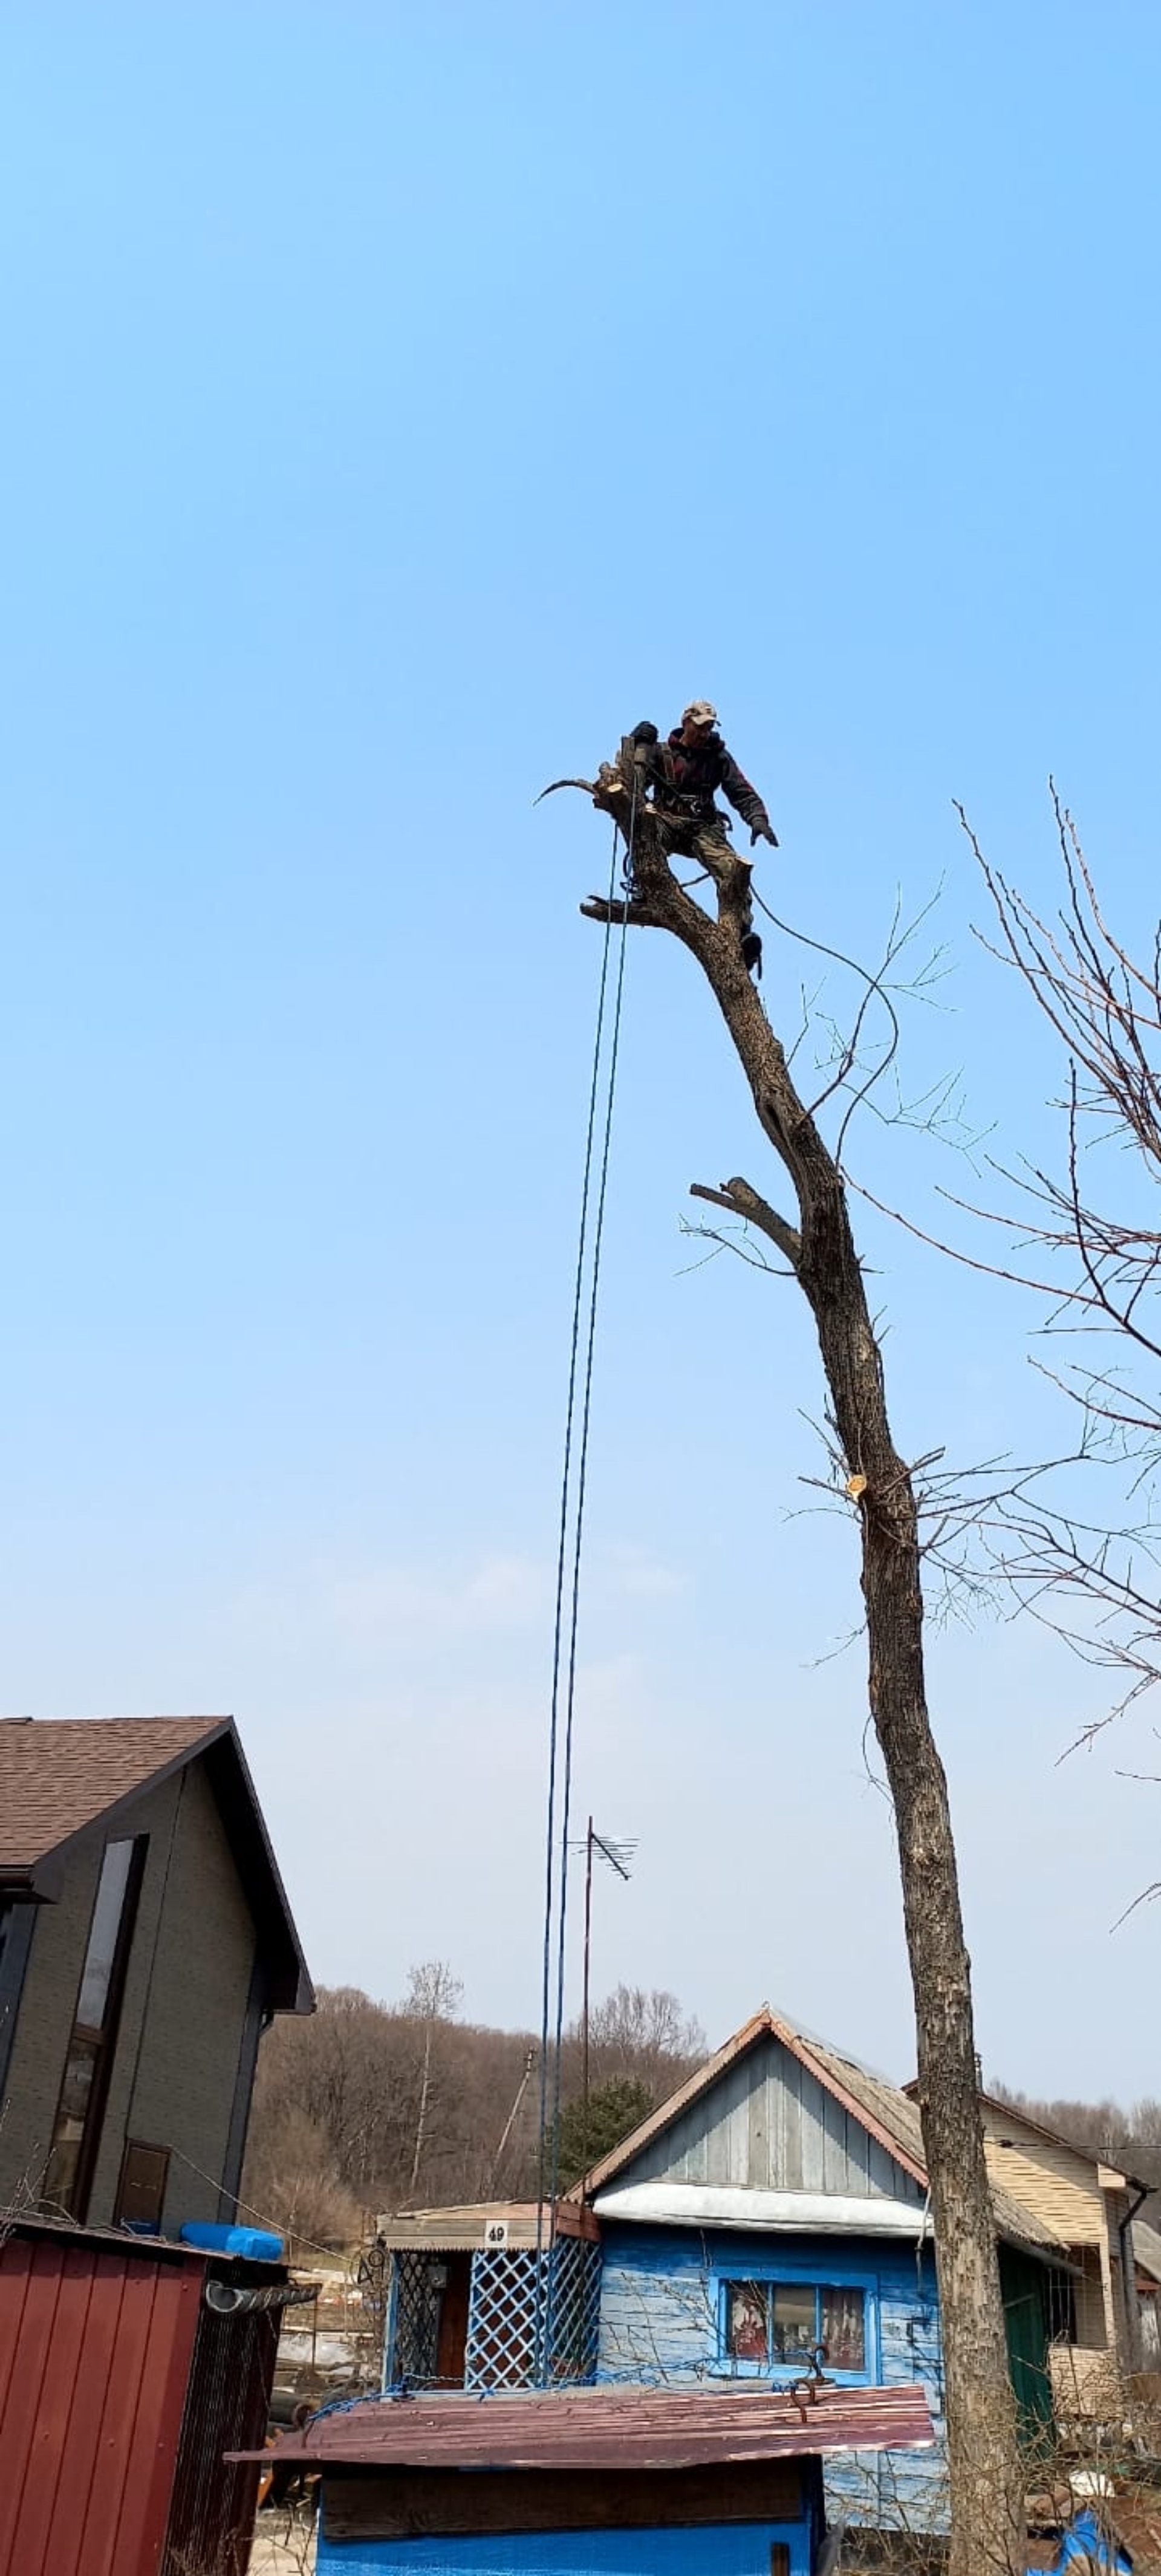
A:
x,y
59,1775
62,1777
608,2428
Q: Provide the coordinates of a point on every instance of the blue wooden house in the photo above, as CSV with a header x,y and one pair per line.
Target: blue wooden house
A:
x,y
777,2204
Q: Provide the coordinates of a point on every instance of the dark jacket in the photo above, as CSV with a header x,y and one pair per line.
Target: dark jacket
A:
x,y
686,777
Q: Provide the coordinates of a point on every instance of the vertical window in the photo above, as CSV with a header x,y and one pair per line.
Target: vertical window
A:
x,y
77,2132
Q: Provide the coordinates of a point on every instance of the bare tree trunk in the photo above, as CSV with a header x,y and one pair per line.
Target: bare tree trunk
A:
x,y
421,2122
985,2474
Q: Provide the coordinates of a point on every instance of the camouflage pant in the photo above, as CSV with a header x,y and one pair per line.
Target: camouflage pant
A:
x,y
710,845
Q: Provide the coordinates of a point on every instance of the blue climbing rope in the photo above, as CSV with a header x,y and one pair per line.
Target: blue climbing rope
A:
x,y
568,1571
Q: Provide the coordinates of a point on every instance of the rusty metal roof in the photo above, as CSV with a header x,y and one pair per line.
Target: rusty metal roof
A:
x,y
610,2428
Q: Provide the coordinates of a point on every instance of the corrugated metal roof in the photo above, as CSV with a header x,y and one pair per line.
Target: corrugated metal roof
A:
x,y
1147,2247
610,2428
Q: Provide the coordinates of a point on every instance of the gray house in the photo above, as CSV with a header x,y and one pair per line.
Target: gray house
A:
x,y
145,1942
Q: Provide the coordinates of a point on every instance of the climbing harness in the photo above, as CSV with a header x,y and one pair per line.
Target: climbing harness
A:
x,y
602,1092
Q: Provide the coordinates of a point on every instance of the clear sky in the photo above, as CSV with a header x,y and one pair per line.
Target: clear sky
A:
x,y
399,400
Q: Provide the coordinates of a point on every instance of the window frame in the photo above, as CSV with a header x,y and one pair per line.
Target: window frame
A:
x,y
794,2276
97,2040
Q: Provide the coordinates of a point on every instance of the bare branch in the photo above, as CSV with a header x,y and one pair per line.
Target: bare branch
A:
x,y
740,1200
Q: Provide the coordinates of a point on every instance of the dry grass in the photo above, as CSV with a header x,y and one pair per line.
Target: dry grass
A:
x,y
284,2545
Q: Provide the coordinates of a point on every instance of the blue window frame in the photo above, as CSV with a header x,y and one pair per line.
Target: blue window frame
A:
x,y
772,2325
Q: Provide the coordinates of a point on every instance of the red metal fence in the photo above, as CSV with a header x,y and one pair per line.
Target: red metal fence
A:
x,y
119,2392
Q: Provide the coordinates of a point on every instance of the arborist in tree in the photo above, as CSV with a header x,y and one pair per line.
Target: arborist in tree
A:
x,y
681,777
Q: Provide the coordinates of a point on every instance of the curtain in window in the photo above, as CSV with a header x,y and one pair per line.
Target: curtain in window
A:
x,y
841,2328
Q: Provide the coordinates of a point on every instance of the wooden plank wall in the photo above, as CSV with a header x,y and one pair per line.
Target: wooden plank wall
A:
x,y
403,2504
769,2125
659,2324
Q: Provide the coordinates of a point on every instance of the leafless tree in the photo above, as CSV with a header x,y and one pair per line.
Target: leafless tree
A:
x,y
815,1246
433,1995
1086,1237
644,2034
340,2096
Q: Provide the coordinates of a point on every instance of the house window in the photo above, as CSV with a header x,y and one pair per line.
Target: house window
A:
x,y
77,2133
777,2325
1061,2307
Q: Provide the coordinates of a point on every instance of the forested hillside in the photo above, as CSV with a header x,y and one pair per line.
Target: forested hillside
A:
x,y
368,2106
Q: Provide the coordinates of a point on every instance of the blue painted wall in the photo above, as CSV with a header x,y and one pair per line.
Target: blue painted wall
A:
x,y
718,2549
660,2324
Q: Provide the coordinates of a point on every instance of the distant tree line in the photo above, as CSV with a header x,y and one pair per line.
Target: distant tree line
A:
x,y
366,2107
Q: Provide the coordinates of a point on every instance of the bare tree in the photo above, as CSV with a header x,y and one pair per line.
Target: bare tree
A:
x,y
644,2035
816,1248
433,1995
1087,1237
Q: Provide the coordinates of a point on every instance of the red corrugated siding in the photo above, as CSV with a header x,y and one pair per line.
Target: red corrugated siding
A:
x,y
95,2354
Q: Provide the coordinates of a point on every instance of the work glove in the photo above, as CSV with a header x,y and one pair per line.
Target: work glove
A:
x,y
762,832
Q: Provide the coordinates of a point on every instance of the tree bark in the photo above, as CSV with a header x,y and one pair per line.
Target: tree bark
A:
x,y
986,2483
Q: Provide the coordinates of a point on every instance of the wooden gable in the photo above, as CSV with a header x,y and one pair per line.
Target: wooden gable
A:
x,y
766,2123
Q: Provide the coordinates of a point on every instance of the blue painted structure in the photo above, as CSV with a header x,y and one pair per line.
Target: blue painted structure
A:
x,y
661,2321
715,2549
780,2164
531,2317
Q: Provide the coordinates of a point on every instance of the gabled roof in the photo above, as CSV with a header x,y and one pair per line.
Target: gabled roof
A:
x,y
884,2110
62,1777
900,2134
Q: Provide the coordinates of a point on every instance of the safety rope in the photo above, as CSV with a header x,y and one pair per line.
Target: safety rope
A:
x,y
572,1503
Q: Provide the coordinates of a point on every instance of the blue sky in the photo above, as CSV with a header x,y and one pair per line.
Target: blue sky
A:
x,y
399,401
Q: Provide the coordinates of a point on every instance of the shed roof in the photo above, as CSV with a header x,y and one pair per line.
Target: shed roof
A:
x,y
608,2428
61,1777
885,2110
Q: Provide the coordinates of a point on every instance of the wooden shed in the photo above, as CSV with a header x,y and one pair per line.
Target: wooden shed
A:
x,y
591,2481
